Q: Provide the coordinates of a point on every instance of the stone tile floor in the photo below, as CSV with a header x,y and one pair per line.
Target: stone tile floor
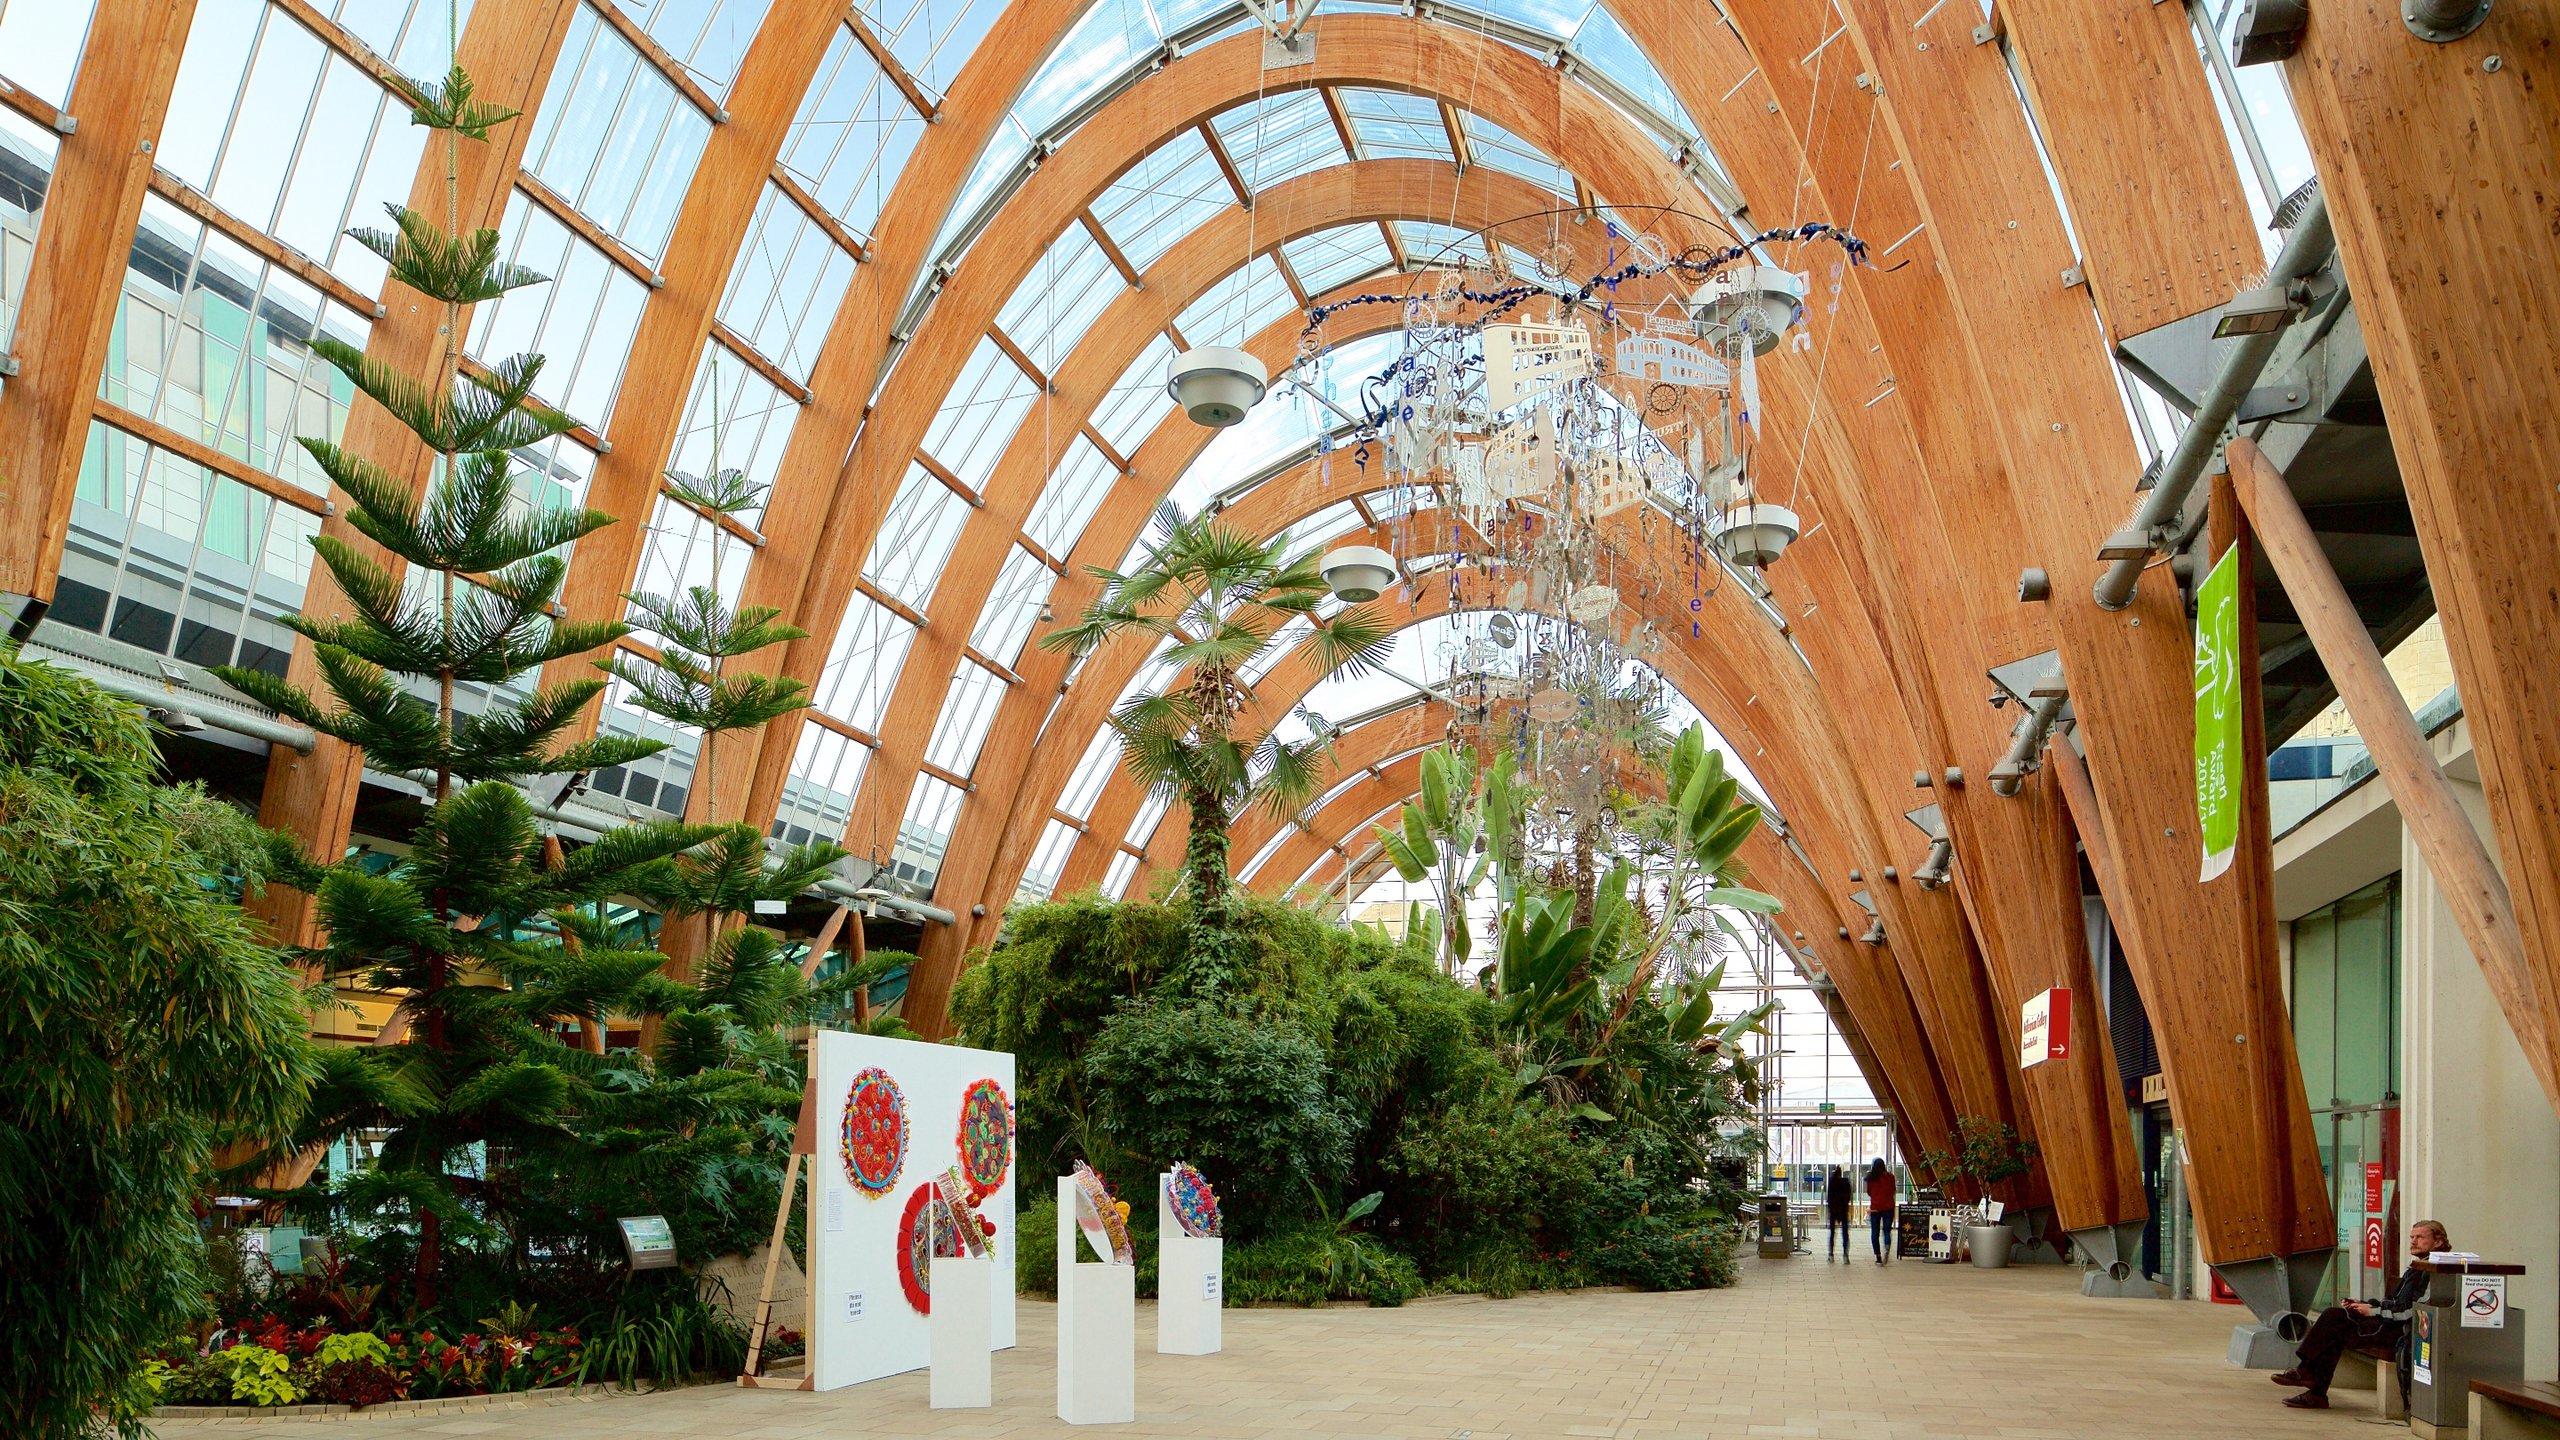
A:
x,y
1799,1348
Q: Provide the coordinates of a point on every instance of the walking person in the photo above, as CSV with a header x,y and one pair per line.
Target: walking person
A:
x,y
1879,1206
1835,1201
2374,1326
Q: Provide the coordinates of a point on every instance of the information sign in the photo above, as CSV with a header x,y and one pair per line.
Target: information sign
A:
x,y
2484,1302
2044,1028
651,1243
2220,763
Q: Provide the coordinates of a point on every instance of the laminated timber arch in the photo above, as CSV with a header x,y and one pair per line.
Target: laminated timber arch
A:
x,y
1920,552
1564,119
1337,195
1785,749
1570,124
1950,116
2444,184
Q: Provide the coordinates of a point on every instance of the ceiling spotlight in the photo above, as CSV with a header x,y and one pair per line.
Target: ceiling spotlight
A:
x,y
178,721
1216,384
2268,30
1753,536
2262,311
1359,573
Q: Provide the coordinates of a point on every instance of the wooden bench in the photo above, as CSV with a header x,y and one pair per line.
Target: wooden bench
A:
x,y
2375,1372
2514,1410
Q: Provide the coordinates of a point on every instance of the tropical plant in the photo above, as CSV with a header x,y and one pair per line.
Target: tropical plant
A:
x,y
460,927
1439,839
1982,1152
142,1025
1214,598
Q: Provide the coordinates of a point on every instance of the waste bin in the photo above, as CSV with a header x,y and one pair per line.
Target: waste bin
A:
x,y
1777,1232
2462,1330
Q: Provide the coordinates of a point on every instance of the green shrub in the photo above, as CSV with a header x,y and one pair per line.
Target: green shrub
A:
x,y
1246,1100
1035,1247
1659,1253
1310,1263
1453,1169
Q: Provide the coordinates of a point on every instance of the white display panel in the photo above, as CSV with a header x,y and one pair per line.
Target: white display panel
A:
x,y
861,1323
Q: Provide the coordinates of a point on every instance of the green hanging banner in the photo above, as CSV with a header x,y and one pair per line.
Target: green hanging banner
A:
x,y
2221,767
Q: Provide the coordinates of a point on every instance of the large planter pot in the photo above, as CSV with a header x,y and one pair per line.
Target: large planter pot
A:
x,y
1990,1245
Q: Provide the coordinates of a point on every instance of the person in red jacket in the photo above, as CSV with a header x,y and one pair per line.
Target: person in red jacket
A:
x,y
1879,1206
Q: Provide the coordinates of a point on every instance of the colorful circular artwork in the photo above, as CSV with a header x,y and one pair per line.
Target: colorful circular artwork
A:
x,y
1195,1205
919,1240
875,1132
986,1137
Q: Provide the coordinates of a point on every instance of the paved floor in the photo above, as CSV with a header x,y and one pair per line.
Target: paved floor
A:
x,y
1798,1349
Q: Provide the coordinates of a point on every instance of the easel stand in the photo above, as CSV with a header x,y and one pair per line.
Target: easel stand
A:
x,y
961,1331
804,1143
1097,1330
1190,1283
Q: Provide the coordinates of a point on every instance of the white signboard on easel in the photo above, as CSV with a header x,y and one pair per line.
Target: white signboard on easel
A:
x,y
916,1110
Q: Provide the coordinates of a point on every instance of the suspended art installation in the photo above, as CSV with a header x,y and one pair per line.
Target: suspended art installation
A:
x,y
924,1231
1103,1220
986,1137
874,1139
1561,415
1195,1205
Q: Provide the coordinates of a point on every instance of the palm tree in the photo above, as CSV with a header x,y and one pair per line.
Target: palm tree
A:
x,y
1214,598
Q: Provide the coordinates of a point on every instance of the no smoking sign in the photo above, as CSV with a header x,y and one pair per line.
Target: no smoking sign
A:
x,y
2484,1302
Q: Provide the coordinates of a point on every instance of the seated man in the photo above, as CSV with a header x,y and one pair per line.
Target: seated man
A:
x,y
2374,1326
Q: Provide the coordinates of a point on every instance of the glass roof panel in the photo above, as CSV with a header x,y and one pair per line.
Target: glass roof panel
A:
x,y
1330,259
1279,138
932,38
1499,149
784,288
925,833
582,321
863,663
1092,771
1061,298
616,138
817,798
1067,503
853,134
1162,198
706,37
1429,244
1389,124
1236,308
42,39
1013,607
1124,868
736,420
967,713
1041,875
685,548
1138,401
980,414
915,537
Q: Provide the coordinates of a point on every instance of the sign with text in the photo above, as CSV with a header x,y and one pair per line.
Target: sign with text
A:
x,y
2373,1187
2221,767
2422,1346
2044,1028
2484,1302
651,1243
2377,1243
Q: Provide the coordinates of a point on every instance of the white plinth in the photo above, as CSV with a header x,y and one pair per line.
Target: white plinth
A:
x,y
1097,1330
1191,1284
962,1331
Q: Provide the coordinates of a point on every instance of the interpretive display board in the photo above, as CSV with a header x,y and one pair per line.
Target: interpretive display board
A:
x,y
894,1117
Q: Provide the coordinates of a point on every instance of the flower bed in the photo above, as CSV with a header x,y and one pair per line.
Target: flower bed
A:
x,y
268,1364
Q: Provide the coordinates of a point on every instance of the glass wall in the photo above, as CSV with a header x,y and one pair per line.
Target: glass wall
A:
x,y
2346,1032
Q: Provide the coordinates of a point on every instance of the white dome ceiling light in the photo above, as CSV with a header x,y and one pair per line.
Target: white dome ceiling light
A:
x,y
1358,574
1754,302
1216,384
1754,536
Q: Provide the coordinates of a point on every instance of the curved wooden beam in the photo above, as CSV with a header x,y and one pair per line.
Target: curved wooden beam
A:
x,y
1337,195
75,278
1546,109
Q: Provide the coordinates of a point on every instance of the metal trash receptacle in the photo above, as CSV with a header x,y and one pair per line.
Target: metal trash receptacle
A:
x,y
1777,1229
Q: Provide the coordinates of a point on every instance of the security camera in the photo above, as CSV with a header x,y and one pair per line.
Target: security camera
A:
x,y
1358,574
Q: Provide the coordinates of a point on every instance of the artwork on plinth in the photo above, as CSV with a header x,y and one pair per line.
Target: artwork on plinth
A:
x,y
1195,1204
915,1128
1103,1219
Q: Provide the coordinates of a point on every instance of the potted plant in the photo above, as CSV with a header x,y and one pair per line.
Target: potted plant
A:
x,y
1984,1153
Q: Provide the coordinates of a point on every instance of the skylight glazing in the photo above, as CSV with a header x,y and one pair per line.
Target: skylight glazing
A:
x,y
1169,193
1061,298
1390,124
616,139
931,38
852,135
915,538
735,420
979,415
966,715
863,663
1067,503
1279,138
706,37
1237,307
1013,607
581,323
789,277
1331,259
1137,402
42,40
